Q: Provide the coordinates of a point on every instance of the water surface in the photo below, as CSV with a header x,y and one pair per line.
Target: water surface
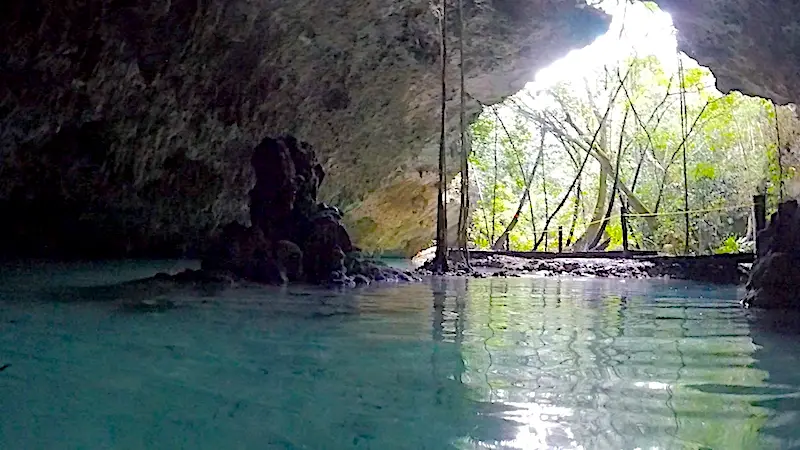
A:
x,y
457,363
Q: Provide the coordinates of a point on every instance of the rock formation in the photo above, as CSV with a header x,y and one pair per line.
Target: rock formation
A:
x,y
159,105
750,46
775,279
291,236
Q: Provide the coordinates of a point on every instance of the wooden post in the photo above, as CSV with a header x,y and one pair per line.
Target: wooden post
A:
x,y
560,239
760,213
623,217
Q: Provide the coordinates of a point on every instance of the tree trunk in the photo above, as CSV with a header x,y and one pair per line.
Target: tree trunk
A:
x,y
685,175
440,261
583,243
463,215
503,240
494,186
606,166
620,151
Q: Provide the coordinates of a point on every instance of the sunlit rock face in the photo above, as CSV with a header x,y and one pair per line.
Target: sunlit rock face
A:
x,y
751,46
126,126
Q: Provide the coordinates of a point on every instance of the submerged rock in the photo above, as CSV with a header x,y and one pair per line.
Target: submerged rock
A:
x,y
775,278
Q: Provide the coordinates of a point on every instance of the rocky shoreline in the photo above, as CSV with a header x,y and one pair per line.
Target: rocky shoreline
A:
x,y
715,270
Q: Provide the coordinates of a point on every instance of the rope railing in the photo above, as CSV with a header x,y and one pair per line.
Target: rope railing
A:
x,y
658,214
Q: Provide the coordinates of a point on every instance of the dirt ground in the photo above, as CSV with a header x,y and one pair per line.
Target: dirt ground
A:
x,y
699,269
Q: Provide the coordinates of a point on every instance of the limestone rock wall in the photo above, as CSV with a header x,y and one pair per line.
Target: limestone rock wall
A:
x,y
752,46
127,125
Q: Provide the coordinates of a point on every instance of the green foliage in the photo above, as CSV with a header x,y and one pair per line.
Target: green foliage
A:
x,y
729,245
731,153
703,171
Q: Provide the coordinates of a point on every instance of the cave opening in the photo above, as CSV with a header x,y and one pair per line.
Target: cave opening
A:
x,y
632,122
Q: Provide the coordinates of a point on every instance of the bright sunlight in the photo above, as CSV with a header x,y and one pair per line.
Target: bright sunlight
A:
x,y
638,28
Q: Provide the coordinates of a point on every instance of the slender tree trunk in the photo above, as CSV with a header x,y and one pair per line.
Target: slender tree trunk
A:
x,y
778,149
482,201
668,164
643,126
577,199
576,183
584,242
494,186
513,147
440,262
685,175
575,212
600,128
544,193
463,216
521,169
503,240
533,216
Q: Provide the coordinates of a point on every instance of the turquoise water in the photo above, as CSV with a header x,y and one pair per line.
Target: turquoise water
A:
x,y
463,364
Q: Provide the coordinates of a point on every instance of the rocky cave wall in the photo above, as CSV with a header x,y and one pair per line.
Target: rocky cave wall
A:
x,y
751,46
126,126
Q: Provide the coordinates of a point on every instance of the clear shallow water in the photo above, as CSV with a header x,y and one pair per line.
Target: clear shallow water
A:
x,y
519,363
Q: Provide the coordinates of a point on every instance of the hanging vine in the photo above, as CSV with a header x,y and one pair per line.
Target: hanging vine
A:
x,y
685,174
440,261
778,151
463,215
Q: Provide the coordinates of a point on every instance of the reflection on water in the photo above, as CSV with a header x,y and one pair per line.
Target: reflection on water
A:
x,y
606,364
520,363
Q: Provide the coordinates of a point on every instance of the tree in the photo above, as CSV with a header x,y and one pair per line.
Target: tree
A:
x,y
663,147
440,260
464,211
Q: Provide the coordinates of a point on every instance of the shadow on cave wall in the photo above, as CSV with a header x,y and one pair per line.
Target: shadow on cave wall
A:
x,y
73,198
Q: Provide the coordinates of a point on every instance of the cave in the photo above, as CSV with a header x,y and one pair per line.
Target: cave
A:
x,y
127,127
106,106
134,123
138,136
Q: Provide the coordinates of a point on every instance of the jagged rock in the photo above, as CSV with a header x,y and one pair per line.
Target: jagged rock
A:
x,y
774,282
236,249
325,248
267,271
293,237
244,252
775,278
273,196
290,257
361,280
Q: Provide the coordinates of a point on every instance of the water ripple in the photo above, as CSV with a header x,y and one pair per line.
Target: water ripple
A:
x,y
500,364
